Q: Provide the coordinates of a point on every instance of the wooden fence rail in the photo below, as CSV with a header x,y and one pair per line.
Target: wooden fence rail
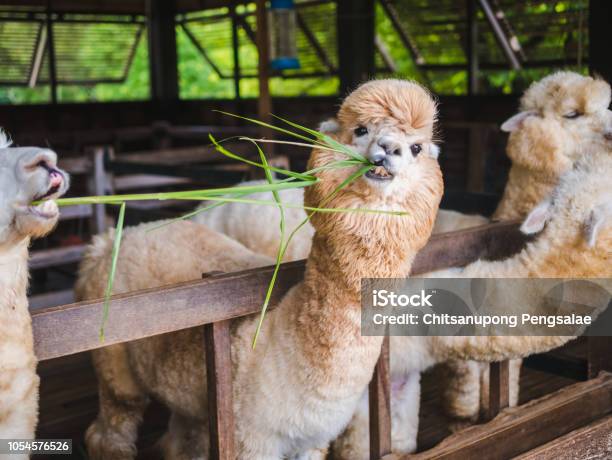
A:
x,y
218,298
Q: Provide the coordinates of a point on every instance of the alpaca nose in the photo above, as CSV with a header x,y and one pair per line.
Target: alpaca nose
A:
x,y
56,178
378,157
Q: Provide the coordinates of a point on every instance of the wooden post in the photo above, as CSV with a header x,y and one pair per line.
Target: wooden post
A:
x,y
219,385
264,102
472,47
51,53
599,355
98,185
235,51
355,32
380,406
600,17
499,388
163,69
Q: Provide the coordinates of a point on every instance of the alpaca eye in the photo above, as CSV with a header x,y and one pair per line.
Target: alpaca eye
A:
x,y
573,114
360,131
416,149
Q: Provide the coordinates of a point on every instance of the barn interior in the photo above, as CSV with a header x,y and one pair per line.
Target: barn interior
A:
x,y
127,93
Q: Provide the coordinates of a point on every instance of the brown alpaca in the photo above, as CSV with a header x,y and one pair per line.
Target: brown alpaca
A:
x,y
299,388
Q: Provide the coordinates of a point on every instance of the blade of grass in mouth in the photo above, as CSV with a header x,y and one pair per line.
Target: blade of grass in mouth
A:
x,y
236,194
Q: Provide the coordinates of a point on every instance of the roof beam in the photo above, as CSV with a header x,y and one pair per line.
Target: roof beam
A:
x,y
502,40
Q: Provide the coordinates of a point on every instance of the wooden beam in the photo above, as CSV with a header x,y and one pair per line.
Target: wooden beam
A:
x,y
163,69
599,355
264,101
592,441
46,258
380,405
73,328
355,32
219,386
523,428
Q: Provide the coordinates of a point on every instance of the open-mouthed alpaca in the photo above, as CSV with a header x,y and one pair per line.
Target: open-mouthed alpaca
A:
x,y
26,174
576,243
557,115
299,388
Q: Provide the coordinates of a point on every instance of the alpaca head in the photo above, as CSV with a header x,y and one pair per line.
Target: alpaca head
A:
x,y
557,114
390,122
28,174
578,213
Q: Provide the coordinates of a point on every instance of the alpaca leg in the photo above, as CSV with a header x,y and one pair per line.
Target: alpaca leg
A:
x,y
462,389
514,380
405,403
186,439
18,405
122,403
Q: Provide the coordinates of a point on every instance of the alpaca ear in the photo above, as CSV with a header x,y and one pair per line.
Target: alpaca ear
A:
x,y
516,121
599,218
537,218
330,126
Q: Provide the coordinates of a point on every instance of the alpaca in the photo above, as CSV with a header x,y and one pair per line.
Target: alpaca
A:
x,y
27,174
298,389
556,112
575,243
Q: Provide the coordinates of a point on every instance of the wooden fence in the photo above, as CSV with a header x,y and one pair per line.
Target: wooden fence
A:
x,y
220,297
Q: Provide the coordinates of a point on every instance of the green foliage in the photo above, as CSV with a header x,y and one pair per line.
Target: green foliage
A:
x,y
437,31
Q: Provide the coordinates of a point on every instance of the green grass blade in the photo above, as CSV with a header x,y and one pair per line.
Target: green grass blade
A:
x,y
279,254
195,194
111,275
265,167
267,125
326,140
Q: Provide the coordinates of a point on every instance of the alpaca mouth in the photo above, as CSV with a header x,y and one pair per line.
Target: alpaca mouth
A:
x,y
379,173
54,189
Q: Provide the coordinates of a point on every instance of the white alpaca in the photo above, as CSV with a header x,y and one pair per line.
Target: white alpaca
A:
x,y
299,388
556,113
26,174
576,243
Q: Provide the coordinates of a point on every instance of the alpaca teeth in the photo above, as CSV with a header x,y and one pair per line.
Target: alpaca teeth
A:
x,y
380,171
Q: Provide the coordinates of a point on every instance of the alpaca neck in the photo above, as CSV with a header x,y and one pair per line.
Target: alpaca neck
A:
x,y
14,276
524,190
327,316
567,258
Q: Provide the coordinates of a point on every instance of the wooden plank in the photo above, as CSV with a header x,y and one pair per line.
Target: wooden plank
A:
x,y
454,249
219,385
592,441
599,355
499,388
46,258
73,328
50,299
520,429
380,406
79,211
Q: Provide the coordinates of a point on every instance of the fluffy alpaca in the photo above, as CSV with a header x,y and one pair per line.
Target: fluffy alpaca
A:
x,y
26,174
299,388
576,243
556,113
